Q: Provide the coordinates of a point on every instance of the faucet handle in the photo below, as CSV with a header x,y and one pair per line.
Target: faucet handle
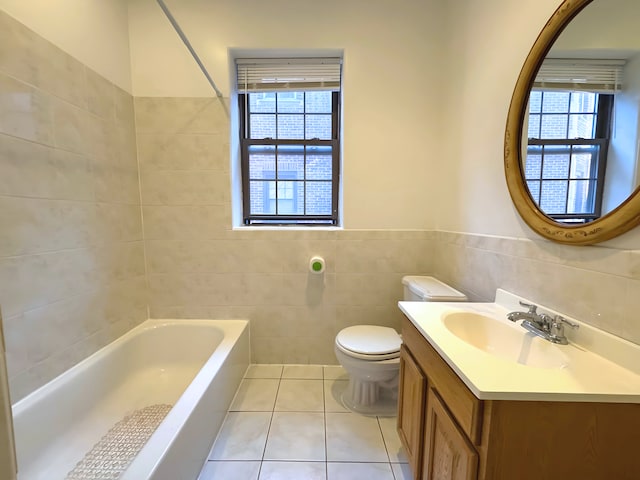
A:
x,y
532,308
559,319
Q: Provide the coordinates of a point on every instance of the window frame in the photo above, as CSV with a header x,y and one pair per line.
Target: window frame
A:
x,y
601,138
246,142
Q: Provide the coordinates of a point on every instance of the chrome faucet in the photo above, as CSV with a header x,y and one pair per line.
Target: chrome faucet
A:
x,y
543,325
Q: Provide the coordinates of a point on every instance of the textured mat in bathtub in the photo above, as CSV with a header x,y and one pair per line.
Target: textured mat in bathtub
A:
x,y
110,457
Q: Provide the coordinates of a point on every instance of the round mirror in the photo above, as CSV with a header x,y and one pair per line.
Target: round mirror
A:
x,y
573,130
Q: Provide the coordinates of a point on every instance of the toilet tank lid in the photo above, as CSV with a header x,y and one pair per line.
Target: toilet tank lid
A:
x,y
369,339
430,289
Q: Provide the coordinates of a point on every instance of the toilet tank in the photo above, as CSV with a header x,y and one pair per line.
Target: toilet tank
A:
x,y
429,289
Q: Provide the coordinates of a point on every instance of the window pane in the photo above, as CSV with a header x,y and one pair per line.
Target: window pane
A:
x,y
260,203
318,102
581,196
288,200
290,102
533,163
583,102
582,126
318,126
533,130
291,162
262,126
553,126
319,163
555,102
264,102
553,197
534,190
291,127
583,160
535,101
262,162
318,198
556,165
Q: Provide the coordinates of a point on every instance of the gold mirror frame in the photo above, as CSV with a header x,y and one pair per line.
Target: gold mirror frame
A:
x,y
620,220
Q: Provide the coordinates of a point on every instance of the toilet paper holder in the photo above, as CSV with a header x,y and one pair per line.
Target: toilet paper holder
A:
x,y
316,265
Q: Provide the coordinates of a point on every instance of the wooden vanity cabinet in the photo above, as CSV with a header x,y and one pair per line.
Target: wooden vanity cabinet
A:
x,y
448,453
411,398
449,434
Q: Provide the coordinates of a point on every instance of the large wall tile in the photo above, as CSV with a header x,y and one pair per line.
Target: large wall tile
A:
x,y
185,188
72,128
186,222
33,170
157,151
100,96
32,225
181,115
26,112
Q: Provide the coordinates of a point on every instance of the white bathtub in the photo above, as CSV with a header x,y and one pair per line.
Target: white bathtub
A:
x,y
195,365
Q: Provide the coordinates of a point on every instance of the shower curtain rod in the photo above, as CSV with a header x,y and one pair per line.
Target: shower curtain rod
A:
x,y
184,38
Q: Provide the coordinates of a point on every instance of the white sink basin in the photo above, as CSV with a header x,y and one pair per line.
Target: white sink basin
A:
x,y
505,340
499,360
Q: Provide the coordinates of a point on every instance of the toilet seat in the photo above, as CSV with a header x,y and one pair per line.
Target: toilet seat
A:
x,y
369,342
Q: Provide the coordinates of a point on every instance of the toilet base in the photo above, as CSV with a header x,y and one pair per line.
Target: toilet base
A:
x,y
369,398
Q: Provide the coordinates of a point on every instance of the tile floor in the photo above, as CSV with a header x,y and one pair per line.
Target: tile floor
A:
x,y
286,423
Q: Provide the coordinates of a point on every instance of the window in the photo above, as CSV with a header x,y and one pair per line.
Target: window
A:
x,y
567,152
290,140
570,119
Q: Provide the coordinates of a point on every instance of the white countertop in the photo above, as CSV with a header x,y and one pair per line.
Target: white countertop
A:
x,y
599,367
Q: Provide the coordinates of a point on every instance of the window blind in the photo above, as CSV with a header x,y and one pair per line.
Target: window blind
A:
x,y
282,74
602,76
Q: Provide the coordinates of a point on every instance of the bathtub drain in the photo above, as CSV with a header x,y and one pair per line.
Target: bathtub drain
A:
x,y
110,457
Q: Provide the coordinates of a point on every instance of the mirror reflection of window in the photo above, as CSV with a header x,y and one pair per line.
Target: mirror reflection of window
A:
x,y
566,158
571,147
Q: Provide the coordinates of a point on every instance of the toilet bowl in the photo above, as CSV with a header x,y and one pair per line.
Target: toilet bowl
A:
x,y
371,354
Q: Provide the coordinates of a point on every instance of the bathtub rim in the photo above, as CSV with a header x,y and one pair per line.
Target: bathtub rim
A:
x,y
150,324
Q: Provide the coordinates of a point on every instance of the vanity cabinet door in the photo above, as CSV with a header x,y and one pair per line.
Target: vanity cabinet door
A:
x,y
412,392
449,455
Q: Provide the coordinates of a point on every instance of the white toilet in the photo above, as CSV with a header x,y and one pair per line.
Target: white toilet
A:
x,y
371,354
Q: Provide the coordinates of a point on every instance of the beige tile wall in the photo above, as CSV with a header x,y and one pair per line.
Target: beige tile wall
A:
x,y
598,285
72,273
199,267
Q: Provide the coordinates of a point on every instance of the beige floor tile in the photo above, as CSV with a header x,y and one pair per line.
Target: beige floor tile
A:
x,y
255,395
296,436
300,396
402,471
332,395
335,372
303,372
354,438
395,449
356,471
237,470
263,371
242,436
293,471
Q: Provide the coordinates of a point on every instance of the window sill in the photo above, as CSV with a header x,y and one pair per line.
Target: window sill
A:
x,y
286,227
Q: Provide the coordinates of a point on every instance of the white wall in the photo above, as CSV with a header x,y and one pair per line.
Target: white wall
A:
x,y
622,161
392,83
603,25
489,42
93,31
